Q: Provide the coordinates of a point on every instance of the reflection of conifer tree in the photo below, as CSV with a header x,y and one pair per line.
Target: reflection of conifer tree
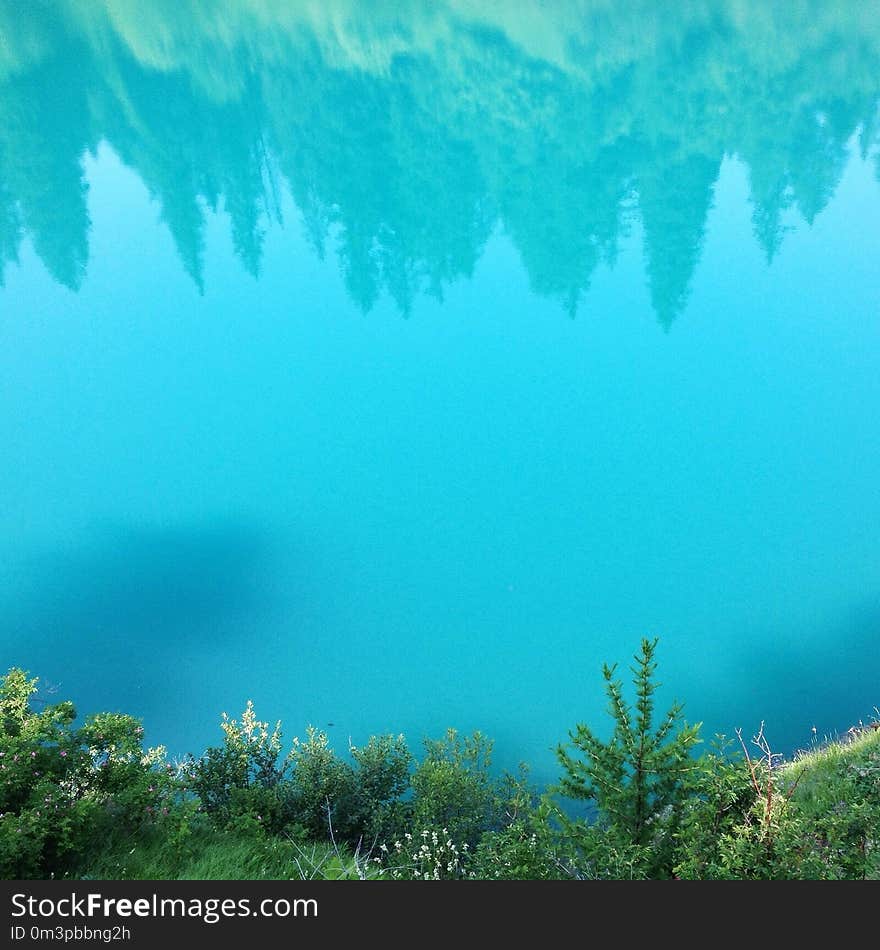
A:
x,y
190,152
434,221
328,130
243,205
10,228
43,134
240,157
399,272
674,200
23,44
771,198
765,149
820,159
869,137
405,139
557,193
360,269
316,221
160,131
567,223
405,196
802,162
185,219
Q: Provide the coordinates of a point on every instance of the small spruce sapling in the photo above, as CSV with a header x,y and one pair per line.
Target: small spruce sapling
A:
x,y
638,779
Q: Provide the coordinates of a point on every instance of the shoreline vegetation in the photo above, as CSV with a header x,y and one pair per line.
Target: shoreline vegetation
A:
x,y
91,802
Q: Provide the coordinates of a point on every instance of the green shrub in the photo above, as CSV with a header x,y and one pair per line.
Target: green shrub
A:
x,y
241,784
358,802
530,847
454,789
381,780
722,797
61,787
739,822
322,793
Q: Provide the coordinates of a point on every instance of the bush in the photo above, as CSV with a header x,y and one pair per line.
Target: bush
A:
x,y
311,793
453,788
358,802
240,784
322,790
61,788
381,780
530,848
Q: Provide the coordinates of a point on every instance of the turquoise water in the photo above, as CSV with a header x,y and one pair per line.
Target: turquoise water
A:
x,y
394,366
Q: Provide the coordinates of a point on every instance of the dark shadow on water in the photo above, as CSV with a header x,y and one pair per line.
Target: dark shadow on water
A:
x,y
127,589
827,679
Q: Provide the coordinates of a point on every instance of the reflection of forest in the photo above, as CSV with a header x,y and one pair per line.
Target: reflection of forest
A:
x,y
407,131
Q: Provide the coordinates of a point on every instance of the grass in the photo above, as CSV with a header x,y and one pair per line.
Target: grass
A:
x,y
823,773
211,855
838,790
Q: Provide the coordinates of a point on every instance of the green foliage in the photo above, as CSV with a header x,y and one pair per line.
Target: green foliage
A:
x,y
382,779
91,802
838,800
769,841
212,854
248,786
531,847
638,779
466,822
355,802
816,817
723,798
239,783
61,787
322,789
454,789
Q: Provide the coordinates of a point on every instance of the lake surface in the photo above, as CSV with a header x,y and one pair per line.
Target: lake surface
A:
x,y
396,365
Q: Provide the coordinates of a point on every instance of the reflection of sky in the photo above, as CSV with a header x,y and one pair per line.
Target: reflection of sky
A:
x,y
451,519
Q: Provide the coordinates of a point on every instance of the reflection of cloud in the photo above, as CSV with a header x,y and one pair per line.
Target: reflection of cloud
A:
x,y
411,132
137,586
